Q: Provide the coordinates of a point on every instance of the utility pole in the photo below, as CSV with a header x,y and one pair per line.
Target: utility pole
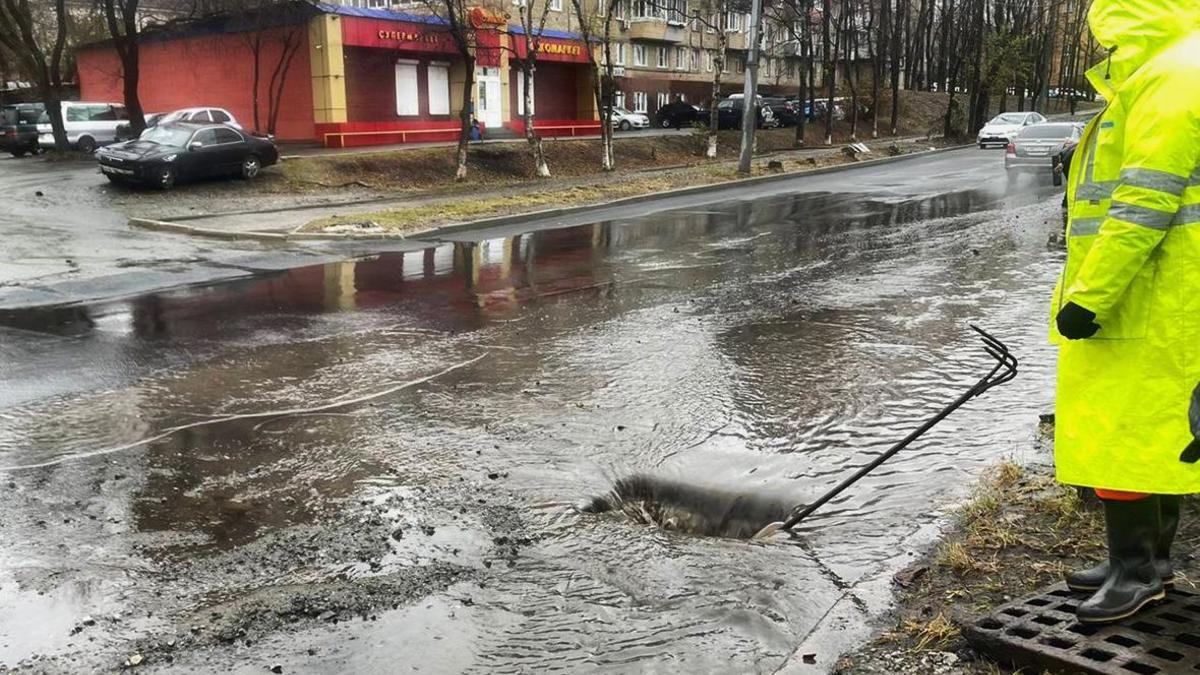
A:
x,y
750,91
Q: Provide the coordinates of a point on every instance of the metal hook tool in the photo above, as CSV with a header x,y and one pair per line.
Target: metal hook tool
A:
x,y
1004,370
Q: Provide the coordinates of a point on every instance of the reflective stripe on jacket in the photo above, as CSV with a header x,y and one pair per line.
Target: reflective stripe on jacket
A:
x,y
1133,257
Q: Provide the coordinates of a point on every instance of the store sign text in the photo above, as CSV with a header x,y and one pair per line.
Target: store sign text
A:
x,y
405,36
559,48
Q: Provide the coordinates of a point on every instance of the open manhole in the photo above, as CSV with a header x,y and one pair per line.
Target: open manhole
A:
x,y
1040,632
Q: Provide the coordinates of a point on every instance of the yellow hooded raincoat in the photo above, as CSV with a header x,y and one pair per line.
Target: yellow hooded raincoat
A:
x,y
1129,397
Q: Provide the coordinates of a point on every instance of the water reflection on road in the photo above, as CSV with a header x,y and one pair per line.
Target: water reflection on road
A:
x,y
776,344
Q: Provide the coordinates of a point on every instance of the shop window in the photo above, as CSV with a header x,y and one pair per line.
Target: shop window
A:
x,y
639,55
639,101
407,98
661,53
438,81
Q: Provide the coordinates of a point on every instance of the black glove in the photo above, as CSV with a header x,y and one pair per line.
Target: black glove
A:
x,y
1076,323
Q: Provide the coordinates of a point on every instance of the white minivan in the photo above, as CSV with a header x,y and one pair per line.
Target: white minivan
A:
x,y
88,125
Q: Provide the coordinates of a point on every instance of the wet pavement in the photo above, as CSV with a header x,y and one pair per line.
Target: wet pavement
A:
x,y
368,465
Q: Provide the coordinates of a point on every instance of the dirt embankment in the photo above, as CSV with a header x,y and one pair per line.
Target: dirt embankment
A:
x,y
1020,531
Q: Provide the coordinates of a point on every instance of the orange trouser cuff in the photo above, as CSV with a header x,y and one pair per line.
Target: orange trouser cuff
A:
x,y
1120,495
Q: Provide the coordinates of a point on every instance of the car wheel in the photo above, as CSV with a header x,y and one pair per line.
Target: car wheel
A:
x,y
166,178
18,153
625,125
251,166
86,145
665,123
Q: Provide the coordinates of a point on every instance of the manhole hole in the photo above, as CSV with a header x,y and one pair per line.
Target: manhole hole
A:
x,y
1040,633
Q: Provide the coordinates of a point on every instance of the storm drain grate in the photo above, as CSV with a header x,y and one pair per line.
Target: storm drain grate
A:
x,y
1040,632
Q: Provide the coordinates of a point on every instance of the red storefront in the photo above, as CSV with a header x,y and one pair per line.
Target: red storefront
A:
x,y
355,76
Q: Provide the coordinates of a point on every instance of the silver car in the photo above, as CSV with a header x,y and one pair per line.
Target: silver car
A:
x,y
1034,147
1004,127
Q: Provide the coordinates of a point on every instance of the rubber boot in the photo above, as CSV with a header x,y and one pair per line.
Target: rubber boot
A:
x,y
1133,581
1168,512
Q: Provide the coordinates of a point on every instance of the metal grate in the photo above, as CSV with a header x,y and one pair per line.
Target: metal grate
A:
x,y
1041,632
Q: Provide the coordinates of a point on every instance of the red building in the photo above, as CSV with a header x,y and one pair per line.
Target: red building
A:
x,y
344,76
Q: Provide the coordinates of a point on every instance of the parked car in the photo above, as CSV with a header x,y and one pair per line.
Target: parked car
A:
x,y
786,113
174,151
625,120
1035,147
125,132
18,128
203,115
679,114
1004,127
817,110
729,114
88,125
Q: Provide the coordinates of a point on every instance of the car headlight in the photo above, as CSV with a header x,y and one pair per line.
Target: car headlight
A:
x,y
169,158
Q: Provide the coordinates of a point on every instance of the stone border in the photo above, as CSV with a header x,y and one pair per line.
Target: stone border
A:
x,y
454,228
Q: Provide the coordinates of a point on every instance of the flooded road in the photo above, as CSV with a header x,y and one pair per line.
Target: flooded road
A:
x,y
366,466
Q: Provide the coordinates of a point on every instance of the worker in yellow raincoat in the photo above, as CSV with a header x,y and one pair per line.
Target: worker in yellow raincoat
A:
x,y
1127,306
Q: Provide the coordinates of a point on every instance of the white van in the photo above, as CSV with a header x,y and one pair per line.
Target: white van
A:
x,y
88,125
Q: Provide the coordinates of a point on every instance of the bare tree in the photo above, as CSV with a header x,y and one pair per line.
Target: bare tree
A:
x,y
456,20
711,16
533,24
595,28
23,34
121,16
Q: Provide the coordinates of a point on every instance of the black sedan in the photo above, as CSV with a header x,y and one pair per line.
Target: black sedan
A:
x,y
679,114
180,151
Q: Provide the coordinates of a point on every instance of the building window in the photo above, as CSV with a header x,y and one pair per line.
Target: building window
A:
x,y
438,81
708,61
644,9
407,98
663,99
639,101
639,55
618,50
556,5
677,11
695,60
378,4
661,53
739,64
733,22
619,99
681,58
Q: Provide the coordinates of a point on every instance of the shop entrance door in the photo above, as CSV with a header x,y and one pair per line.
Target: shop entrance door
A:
x,y
488,97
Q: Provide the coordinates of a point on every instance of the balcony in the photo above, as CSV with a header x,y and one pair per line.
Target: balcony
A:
x,y
656,30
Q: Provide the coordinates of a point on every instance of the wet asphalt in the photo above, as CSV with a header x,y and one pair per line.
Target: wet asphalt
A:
x,y
368,465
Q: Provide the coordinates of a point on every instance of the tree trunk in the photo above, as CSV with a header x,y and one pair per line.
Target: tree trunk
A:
x,y
850,68
802,94
256,67
829,69
541,169
464,117
897,31
53,103
713,117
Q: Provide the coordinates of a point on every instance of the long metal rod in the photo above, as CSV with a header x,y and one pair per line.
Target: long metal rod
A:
x,y
1004,370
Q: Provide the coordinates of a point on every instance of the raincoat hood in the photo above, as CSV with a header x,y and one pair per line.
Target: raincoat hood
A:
x,y
1133,31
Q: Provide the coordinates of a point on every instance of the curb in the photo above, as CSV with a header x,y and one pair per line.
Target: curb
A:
x,y
176,228
455,228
